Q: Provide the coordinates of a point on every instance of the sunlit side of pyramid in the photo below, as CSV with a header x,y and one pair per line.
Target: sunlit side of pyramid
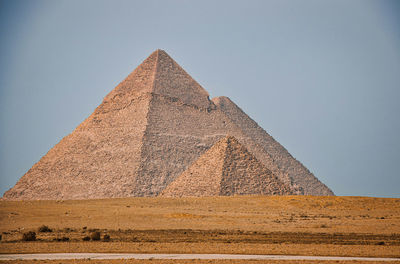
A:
x,y
227,168
147,132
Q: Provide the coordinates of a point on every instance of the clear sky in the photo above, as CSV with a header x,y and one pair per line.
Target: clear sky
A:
x,y
322,77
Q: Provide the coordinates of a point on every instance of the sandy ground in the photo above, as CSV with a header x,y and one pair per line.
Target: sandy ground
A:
x,y
300,225
108,256
196,261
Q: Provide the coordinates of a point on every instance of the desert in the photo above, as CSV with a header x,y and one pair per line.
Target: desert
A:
x,y
282,225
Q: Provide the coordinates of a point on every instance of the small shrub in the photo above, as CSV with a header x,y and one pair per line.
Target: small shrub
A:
x,y
29,236
68,230
1,237
106,238
381,243
45,229
62,239
95,236
86,238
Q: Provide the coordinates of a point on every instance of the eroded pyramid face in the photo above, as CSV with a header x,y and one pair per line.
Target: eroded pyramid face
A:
x,y
147,131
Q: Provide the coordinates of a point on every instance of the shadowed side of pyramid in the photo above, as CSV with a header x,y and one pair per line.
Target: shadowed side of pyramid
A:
x,y
298,175
174,82
227,168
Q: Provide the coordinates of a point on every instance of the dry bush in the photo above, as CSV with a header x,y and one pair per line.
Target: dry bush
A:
x,y
95,236
86,238
29,236
62,239
106,238
45,229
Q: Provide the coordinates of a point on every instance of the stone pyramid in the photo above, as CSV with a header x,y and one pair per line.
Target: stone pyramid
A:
x,y
227,168
145,133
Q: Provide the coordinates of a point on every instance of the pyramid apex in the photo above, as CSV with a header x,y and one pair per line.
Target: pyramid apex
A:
x,y
171,80
156,55
159,52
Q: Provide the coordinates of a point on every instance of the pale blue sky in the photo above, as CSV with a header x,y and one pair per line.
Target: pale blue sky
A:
x,y
322,77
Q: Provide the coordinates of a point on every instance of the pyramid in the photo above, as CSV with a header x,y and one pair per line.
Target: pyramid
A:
x,y
294,172
145,133
227,168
